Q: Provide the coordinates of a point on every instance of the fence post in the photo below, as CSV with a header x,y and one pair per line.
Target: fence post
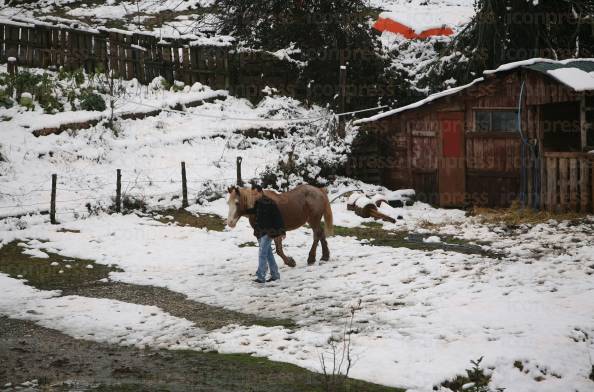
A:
x,y
53,202
239,180
342,82
184,186
343,92
12,67
118,200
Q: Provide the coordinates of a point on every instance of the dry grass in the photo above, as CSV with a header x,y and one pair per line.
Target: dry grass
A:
x,y
186,218
515,215
375,235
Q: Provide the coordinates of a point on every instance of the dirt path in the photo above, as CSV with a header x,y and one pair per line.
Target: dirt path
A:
x,y
80,280
46,360
204,316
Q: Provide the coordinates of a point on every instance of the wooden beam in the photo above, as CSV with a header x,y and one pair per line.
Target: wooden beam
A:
x,y
551,184
591,170
573,185
563,183
583,122
584,188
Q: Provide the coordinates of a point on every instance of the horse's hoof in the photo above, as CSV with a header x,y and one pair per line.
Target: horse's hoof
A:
x,y
291,262
325,258
311,262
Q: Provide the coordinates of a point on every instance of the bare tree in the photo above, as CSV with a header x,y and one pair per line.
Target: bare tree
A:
x,y
338,360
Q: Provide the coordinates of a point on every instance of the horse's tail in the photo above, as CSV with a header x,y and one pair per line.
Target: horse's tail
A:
x,y
328,218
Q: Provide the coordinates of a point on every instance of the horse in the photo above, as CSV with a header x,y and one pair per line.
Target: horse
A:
x,y
304,204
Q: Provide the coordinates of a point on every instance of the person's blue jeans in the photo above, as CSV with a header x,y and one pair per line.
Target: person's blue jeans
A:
x,y
266,259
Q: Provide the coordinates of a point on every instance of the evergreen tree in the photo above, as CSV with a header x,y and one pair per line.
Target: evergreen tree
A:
x,y
504,31
324,35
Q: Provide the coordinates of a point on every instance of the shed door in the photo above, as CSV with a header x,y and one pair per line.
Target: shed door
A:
x,y
451,164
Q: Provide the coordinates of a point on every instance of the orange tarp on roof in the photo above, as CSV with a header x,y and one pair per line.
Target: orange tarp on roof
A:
x,y
444,30
386,24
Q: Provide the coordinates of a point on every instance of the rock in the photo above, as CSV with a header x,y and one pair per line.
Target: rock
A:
x,y
396,203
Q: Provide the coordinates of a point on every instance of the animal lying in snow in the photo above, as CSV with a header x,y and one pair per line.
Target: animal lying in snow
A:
x,y
367,208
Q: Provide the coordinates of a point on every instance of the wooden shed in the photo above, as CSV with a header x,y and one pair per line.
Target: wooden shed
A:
x,y
521,132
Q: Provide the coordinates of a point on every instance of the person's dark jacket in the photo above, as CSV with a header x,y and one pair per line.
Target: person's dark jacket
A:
x,y
268,218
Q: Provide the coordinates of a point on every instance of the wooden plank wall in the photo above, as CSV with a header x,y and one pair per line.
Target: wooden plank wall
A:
x,y
569,182
423,132
129,55
493,164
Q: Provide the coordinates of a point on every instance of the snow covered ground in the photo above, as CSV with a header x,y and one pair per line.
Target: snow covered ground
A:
x,y
149,152
424,314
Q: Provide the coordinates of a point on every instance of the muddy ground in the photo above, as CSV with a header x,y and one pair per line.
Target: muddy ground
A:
x,y
46,360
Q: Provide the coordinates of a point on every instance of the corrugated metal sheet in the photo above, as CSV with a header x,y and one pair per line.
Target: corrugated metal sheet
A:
x,y
584,65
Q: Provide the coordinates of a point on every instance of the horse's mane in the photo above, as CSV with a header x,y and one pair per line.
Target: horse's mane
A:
x,y
247,199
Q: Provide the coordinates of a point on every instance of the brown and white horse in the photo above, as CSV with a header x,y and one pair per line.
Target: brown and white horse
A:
x,y
304,204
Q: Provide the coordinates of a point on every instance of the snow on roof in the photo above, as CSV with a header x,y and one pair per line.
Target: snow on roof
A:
x,y
15,23
532,63
417,104
577,74
577,79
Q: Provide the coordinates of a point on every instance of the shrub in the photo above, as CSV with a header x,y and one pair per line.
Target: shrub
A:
x,y
177,86
314,170
51,104
474,381
45,92
24,81
92,101
27,101
77,76
132,203
5,100
42,87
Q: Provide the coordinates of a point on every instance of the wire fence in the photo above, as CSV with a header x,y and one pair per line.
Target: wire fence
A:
x,y
124,191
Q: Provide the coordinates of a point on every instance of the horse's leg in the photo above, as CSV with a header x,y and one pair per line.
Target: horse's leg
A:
x,y
317,231
278,242
325,250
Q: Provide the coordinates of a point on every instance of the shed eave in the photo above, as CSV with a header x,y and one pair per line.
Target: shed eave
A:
x,y
415,105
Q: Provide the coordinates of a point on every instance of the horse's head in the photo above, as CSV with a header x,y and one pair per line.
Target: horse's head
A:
x,y
234,209
240,199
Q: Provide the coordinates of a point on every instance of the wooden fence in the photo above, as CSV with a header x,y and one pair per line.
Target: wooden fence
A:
x,y
130,55
568,182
